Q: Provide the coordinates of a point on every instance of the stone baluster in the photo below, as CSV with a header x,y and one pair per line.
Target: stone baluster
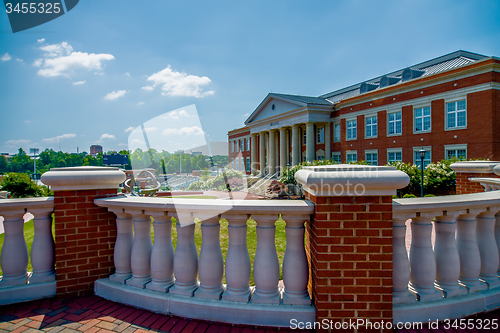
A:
x,y
447,257
266,268
141,250
162,255
488,248
295,266
237,260
401,264
497,236
14,257
422,260
470,257
186,256
42,249
211,263
123,247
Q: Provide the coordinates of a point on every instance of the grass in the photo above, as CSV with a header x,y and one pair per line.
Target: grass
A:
x,y
193,197
224,240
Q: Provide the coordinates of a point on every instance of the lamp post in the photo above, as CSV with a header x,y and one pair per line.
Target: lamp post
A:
x,y
421,153
34,151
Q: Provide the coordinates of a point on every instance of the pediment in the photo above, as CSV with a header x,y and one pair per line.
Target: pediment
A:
x,y
272,106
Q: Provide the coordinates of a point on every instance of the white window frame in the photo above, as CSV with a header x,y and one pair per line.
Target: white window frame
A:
x,y
422,118
304,136
337,154
416,160
371,151
351,152
320,134
395,123
336,138
320,155
371,125
231,144
448,148
455,101
352,129
232,164
248,144
247,164
242,143
236,145
394,151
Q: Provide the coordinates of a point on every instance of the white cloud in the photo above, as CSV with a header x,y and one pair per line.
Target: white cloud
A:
x,y
180,84
41,40
148,88
6,57
61,60
128,74
140,103
150,129
98,73
20,60
175,114
138,141
194,130
17,142
130,129
57,138
107,136
115,94
79,83
246,115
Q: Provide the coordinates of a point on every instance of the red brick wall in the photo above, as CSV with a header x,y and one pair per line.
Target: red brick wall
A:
x,y
349,244
85,236
465,186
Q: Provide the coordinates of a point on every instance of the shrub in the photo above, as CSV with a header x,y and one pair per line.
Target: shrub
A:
x,y
21,186
277,188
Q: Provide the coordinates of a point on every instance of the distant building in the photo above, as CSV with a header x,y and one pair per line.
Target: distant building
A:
x,y
196,153
95,149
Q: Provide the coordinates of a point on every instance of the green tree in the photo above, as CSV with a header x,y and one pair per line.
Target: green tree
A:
x,y
3,164
21,186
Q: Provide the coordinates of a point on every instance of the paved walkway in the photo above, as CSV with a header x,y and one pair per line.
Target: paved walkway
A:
x,y
93,314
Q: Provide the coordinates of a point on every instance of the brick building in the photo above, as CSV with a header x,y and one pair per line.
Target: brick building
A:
x,y
95,149
449,106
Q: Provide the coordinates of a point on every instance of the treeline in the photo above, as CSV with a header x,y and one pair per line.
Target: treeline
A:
x,y
139,159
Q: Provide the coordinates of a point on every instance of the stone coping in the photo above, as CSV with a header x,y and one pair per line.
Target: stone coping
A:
x,y
475,166
351,180
495,181
449,203
26,203
83,178
496,169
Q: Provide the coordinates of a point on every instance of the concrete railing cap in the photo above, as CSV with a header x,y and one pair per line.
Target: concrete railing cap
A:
x,y
496,169
83,178
474,166
351,180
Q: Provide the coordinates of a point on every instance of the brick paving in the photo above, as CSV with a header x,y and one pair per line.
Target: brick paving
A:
x,y
93,314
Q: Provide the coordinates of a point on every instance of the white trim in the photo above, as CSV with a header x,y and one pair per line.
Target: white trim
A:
x,y
371,151
413,120
426,148
394,150
387,124
340,132
454,100
351,152
371,116
347,130
462,146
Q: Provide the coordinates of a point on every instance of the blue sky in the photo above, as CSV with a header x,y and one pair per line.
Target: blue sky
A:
x,y
108,66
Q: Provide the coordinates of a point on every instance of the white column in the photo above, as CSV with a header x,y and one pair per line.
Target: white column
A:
x,y
211,263
14,257
288,145
237,260
295,145
422,260
283,147
310,142
162,255
497,235
470,258
43,248
262,153
447,257
185,258
400,262
488,248
141,250
266,269
328,142
253,147
295,266
271,156
276,151
123,247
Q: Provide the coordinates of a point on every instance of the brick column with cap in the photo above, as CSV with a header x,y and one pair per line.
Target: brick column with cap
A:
x,y
350,240
85,234
467,170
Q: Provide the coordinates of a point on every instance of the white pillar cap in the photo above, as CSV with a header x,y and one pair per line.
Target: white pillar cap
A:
x,y
351,180
474,166
83,178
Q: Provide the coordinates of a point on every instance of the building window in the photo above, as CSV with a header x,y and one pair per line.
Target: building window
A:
x,y
456,114
231,144
304,136
236,145
351,129
371,126
351,156
336,157
394,123
455,152
336,133
416,156
320,135
422,121
371,157
248,144
242,145
394,155
232,164
248,164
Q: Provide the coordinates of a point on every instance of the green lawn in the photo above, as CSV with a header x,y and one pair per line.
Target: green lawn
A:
x,y
224,239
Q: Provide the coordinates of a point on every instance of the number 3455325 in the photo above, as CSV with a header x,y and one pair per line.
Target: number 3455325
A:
x,y
33,7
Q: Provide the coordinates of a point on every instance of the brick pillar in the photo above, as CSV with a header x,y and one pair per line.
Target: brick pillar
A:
x,y
85,234
473,169
350,240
